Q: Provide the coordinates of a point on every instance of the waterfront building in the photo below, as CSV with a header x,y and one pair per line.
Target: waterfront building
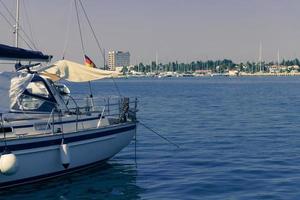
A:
x,y
203,72
275,68
118,59
233,72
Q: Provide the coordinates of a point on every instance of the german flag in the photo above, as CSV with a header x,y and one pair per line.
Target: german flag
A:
x,y
89,62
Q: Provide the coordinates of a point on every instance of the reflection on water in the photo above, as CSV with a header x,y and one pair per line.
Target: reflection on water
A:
x,y
113,181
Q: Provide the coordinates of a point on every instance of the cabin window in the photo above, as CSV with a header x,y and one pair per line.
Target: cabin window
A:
x,y
30,103
36,96
38,88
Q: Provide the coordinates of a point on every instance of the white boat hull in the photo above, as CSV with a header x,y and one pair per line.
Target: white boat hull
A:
x,y
39,158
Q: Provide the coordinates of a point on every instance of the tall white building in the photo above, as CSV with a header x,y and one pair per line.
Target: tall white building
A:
x,y
118,59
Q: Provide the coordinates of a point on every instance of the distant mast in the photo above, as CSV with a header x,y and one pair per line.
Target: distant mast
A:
x,y
278,58
260,55
17,24
156,62
104,60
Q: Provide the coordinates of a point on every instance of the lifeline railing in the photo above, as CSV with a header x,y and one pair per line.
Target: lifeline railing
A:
x,y
112,104
121,108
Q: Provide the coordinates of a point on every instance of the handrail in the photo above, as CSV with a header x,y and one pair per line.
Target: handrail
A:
x,y
108,107
77,111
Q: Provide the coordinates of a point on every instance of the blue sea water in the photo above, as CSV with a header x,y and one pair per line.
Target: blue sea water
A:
x,y
239,138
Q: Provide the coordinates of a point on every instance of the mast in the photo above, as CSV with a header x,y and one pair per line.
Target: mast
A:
x,y
17,24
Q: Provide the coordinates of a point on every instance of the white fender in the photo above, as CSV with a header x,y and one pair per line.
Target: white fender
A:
x,y
64,155
8,164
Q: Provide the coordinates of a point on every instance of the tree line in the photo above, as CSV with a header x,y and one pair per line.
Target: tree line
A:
x,y
216,66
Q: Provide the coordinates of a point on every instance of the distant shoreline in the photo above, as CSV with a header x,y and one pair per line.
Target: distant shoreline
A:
x,y
269,74
214,75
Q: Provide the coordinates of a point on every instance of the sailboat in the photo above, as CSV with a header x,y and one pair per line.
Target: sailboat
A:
x,y
45,132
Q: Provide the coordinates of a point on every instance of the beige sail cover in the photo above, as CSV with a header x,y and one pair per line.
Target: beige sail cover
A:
x,y
75,72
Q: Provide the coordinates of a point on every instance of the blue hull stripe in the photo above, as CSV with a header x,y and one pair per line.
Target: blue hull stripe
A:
x,y
48,176
64,122
16,147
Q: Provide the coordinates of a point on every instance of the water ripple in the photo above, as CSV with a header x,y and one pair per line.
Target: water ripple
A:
x,y
239,139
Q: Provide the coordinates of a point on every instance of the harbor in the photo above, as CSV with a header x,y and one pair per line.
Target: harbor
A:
x,y
191,74
149,100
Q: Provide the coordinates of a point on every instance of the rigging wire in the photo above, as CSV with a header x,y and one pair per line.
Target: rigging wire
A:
x,y
82,46
98,44
5,18
93,32
21,28
68,31
29,24
79,27
9,12
95,37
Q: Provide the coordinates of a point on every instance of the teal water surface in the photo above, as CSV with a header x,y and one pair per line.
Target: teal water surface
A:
x,y
239,138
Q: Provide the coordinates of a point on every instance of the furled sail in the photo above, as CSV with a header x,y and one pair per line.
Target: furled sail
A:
x,y
13,53
75,72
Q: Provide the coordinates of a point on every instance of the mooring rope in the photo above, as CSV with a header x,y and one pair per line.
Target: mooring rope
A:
x,y
163,137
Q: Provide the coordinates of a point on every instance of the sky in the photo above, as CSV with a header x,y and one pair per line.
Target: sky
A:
x,y
175,30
